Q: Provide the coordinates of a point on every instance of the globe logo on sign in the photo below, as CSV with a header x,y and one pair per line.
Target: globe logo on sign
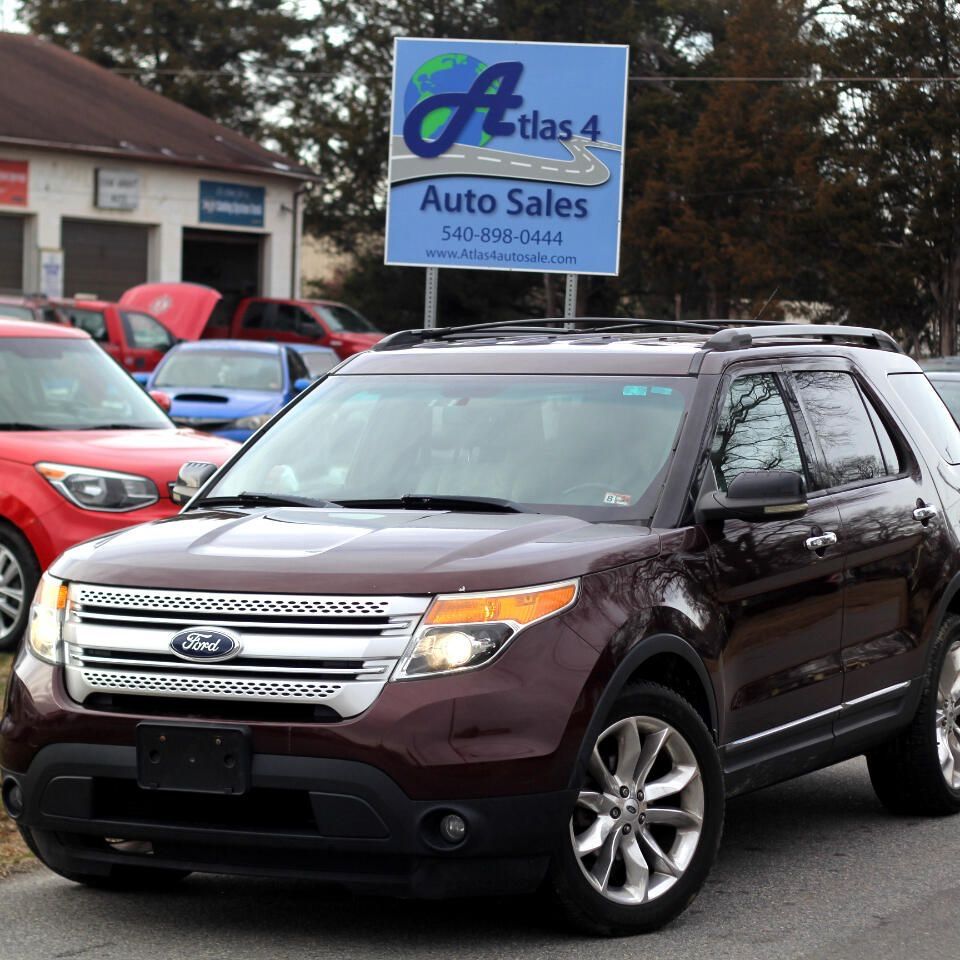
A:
x,y
454,98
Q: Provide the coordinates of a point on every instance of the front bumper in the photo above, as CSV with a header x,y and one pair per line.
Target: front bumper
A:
x,y
337,821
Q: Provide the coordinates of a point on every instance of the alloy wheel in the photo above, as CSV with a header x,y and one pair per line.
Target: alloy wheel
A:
x,y
11,591
636,825
948,717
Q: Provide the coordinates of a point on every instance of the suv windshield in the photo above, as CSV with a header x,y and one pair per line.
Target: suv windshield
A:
x,y
51,384
594,447
233,369
342,319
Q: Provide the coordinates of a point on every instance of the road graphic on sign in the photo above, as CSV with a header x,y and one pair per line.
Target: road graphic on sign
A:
x,y
583,169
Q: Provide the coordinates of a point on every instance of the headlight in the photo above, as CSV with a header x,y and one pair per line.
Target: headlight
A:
x,y
93,489
462,631
251,423
45,629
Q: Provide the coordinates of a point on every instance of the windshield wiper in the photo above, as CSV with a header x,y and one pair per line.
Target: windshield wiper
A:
x,y
416,501
247,499
30,426
117,426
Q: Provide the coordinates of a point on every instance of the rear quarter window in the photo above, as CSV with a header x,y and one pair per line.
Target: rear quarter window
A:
x,y
929,411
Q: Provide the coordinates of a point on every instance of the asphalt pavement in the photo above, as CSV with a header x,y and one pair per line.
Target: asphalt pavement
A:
x,y
809,869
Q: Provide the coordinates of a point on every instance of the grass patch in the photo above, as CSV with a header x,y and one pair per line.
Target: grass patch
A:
x,y
13,852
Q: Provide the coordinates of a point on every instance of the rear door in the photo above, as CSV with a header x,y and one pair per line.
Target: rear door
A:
x,y
779,595
891,531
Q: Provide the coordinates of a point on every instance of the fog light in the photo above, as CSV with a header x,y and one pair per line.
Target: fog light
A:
x,y
453,828
12,797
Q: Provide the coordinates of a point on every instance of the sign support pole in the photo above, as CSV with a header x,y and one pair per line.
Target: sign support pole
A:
x,y
570,299
430,300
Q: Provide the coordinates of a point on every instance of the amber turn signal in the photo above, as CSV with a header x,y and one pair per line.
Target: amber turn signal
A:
x,y
522,608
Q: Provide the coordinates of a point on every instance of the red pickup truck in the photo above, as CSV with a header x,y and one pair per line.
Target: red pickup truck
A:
x,y
134,338
323,322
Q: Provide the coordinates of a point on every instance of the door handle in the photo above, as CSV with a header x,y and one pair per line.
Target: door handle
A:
x,y
815,544
924,513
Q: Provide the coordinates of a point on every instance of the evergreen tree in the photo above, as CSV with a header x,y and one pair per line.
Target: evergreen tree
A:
x,y
890,205
227,59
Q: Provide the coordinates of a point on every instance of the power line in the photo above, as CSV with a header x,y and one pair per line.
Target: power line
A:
x,y
325,75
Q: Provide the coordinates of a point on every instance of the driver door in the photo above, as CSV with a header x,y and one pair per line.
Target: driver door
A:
x,y
780,597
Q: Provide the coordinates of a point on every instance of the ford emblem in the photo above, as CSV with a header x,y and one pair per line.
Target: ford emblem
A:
x,y
205,644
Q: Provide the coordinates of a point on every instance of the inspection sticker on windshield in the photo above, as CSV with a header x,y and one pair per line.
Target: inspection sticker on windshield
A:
x,y
618,499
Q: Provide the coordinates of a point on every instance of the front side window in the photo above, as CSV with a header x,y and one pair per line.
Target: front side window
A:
x,y
144,332
841,426
754,431
231,369
292,319
342,319
595,447
69,384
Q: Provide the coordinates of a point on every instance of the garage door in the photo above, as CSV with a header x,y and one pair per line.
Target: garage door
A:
x,y
103,258
11,253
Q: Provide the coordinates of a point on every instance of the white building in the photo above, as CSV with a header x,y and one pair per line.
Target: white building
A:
x,y
104,185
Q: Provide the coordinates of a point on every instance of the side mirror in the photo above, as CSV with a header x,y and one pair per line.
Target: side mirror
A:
x,y
193,475
756,495
142,378
161,399
301,384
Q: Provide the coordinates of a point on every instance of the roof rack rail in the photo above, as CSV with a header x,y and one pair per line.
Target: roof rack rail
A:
x,y
739,338
553,325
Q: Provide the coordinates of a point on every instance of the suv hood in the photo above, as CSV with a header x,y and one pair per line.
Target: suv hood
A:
x,y
296,550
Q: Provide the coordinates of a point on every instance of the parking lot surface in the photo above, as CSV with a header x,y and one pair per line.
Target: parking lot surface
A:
x,y
813,868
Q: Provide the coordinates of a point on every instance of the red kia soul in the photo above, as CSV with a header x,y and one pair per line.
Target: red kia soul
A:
x,y
83,452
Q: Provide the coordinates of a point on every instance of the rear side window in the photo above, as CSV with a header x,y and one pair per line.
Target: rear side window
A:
x,y
93,321
929,411
254,317
841,427
754,431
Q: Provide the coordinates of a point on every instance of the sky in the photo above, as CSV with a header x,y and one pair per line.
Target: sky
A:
x,y
8,15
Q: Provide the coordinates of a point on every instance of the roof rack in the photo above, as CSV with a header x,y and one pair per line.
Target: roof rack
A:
x,y
739,338
554,326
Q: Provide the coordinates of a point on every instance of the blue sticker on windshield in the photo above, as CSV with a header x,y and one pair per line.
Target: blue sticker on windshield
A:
x,y
663,391
634,390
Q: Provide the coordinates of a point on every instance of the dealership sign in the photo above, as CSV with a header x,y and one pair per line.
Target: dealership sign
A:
x,y
233,204
506,156
14,182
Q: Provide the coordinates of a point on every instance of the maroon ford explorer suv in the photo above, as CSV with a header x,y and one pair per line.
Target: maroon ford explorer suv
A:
x,y
503,607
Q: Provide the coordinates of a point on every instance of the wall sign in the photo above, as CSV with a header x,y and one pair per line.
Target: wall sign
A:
x,y
14,182
51,273
234,204
116,190
506,156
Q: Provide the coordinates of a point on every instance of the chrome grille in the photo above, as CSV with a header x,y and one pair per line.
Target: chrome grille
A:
x,y
333,650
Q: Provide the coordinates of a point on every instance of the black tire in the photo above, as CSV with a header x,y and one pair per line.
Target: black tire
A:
x,y
585,905
905,771
14,542
114,877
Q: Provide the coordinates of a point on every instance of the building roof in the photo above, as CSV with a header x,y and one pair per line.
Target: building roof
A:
x,y
55,100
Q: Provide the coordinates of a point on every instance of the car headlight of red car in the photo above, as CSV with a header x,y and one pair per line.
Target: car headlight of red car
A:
x,y
462,631
93,489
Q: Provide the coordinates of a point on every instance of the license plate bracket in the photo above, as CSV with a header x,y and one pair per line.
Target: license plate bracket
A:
x,y
194,759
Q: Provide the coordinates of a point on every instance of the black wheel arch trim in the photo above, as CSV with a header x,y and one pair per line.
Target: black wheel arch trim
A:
x,y
635,657
935,621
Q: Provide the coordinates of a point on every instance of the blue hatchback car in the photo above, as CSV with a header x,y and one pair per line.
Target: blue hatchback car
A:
x,y
228,388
